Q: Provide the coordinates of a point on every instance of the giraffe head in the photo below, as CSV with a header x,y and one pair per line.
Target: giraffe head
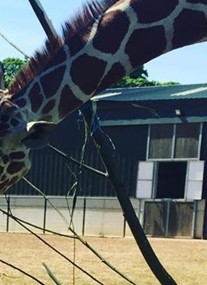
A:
x,y
16,139
14,161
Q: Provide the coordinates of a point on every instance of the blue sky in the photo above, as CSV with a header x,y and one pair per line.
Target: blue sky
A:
x,y
19,24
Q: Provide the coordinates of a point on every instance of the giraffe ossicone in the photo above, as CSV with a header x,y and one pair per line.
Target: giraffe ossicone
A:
x,y
100,45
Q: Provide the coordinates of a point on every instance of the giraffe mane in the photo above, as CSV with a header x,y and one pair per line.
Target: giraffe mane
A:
x,y
73,28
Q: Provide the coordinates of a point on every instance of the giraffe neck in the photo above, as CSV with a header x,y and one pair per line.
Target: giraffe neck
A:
x,y
129,33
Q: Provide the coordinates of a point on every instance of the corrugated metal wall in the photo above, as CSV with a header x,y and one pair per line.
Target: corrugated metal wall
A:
x,y
52,175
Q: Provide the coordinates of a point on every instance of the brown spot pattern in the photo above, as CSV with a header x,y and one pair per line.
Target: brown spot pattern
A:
x,y
145,44
111,31
21,102
149,11
86,72
115,73
68,102
15,167
78,41
35,97
189,31
5,159
4,127
13,180
3,177
48,107
76,44
51,81
3,185
14,122
17,155
59,58
5,118
1,170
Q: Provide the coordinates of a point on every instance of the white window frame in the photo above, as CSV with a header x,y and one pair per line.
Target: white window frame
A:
x,y
173,146
145,180
194,180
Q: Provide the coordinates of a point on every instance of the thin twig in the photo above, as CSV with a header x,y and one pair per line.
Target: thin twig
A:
x,y
48,200
51,274
101,258
22,271
75,236
78,237
87,167
37,227
12,44
57,251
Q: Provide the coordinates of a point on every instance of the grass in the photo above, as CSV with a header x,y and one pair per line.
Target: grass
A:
x,y
185,260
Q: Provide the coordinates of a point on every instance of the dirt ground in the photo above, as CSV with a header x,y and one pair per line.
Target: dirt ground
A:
x,y
185,260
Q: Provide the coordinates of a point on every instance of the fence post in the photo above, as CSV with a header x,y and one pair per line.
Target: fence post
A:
x,y
8,212
167,218
45,215
195,208
84,216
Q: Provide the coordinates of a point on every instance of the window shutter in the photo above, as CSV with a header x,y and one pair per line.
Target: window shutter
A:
x,y
194,181
145,179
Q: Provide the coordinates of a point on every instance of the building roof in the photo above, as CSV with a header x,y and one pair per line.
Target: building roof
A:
x,y
174,92
153,105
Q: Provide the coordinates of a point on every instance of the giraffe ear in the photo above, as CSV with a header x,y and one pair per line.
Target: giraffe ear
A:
x,y
38,134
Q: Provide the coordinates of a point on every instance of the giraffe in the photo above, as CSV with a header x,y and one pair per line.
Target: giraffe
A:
x,y
101,44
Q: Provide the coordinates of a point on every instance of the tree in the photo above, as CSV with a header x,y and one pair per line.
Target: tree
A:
x,y
139,78
12,66
140,72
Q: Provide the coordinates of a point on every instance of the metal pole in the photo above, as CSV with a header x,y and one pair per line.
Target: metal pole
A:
x,y
84,216
14,46
8,212
44,20
45,215
167,218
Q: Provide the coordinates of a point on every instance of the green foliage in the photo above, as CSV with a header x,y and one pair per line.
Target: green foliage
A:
x,y
127,81
12,66
140,72
139,78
